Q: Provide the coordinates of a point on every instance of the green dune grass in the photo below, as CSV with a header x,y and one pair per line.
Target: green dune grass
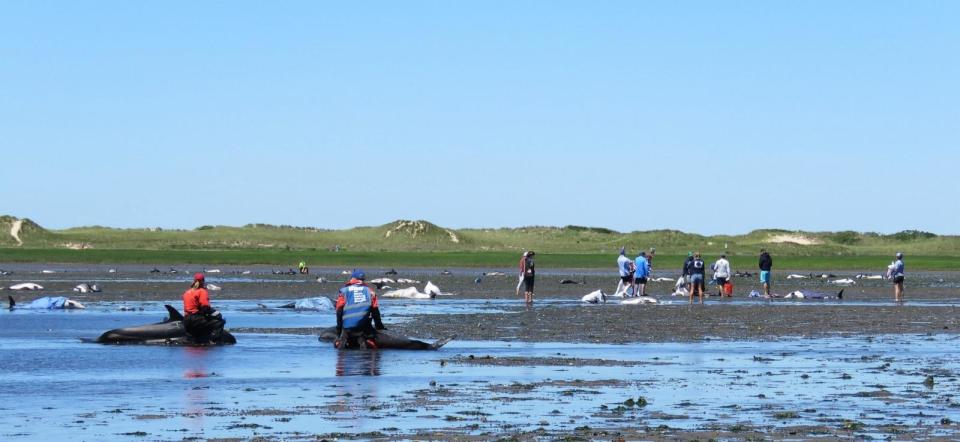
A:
x,y
422,244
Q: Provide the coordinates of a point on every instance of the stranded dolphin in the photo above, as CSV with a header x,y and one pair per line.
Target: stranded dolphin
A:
x,y
170,331
385,340
319,303
806,294
48,303
87,288
595,297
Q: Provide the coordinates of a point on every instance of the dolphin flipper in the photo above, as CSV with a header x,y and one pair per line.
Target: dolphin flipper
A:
x,y
174,314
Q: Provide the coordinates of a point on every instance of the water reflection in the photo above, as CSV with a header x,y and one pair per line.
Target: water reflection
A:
x,y
358,363
195,395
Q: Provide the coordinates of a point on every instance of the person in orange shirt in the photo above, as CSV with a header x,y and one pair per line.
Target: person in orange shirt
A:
x,y
201,321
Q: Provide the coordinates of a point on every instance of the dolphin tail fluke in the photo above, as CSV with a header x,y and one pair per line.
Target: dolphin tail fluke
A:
x,y
441,343
12,302
840,295
174,314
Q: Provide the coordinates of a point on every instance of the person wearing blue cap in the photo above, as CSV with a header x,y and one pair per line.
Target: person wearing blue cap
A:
x,y
895,273
358,314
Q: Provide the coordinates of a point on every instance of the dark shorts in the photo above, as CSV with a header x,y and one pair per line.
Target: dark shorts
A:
x,y
528,283
721,281
627,279
641,280
898,280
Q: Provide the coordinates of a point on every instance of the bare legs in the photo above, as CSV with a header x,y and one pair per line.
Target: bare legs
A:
x,y
696,286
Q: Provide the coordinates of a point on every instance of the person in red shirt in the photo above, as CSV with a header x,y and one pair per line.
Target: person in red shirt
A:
x,y
358,314
201,321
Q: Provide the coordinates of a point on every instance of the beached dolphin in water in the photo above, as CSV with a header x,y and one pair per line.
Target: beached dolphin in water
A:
x,y
386,340
595,297
47,303
408,293
806,294
583,280
87,288
845,281
26,286
319,303
639,300
869,276
170,331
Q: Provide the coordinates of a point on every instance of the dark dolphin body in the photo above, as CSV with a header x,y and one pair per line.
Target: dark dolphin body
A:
x,y
168,332
385,340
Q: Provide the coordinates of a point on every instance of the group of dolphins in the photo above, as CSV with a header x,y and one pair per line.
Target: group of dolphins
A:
x,y
171,330
600,297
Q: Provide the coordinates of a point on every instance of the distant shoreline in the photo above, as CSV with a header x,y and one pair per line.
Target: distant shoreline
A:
x,y
873,264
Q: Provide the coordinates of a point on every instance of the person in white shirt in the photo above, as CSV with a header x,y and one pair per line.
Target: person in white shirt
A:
x,y
721,272
626,267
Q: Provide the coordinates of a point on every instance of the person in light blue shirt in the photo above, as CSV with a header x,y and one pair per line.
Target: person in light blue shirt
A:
x,y
641,274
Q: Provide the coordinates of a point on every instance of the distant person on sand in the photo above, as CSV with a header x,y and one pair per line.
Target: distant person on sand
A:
x,y
303,267
641,274
697,271
895,272
650,254
721,272
766,264
625,267
523,265
529,273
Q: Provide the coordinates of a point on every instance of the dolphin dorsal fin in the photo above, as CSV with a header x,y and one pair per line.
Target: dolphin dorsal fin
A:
x,y
12,302
174,314
840,295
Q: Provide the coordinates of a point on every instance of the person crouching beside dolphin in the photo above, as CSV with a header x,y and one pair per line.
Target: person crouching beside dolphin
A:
x,y
358,314
201,321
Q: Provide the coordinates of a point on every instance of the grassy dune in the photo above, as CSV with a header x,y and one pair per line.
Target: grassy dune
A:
x,y
419,243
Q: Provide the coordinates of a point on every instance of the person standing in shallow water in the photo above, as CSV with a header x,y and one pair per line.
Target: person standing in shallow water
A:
x,y
697,271
766,264
895,273
529,273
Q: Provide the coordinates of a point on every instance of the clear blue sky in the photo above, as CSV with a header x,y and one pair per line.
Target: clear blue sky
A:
x,y
709,117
